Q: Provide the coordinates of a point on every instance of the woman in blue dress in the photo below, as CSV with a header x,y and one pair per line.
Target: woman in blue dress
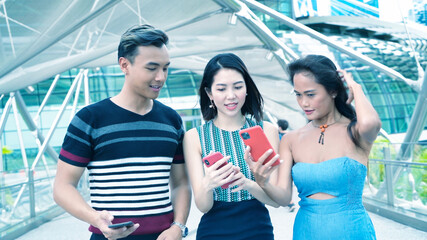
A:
x,y
229,102
327,158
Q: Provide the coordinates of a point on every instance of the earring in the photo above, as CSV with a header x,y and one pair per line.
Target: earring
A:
x,y
212,105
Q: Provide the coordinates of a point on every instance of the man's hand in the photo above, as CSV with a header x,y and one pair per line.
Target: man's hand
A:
x,y
172,233
105,219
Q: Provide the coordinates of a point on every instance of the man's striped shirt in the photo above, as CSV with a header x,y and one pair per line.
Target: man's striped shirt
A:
x,y
129,157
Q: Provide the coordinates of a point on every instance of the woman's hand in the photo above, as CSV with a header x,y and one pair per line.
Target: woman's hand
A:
x,y
260,170
368,122
239,180
347,78
217,175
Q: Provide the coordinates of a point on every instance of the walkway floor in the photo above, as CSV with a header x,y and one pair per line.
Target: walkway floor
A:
x,y
66,227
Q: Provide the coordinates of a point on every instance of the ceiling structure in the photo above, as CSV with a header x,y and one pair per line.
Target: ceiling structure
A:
x,y
40,42
41,38
79,33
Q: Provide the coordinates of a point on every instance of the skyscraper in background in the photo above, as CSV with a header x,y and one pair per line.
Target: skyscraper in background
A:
x,y
420,11
410,10
311,8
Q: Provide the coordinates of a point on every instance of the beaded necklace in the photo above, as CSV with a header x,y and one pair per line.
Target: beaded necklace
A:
x,y
323,129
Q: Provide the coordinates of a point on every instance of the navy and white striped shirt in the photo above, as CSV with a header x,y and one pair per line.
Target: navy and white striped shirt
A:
x,y
129,157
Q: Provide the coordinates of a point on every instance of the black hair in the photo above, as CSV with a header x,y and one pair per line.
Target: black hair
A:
x,y
254,102
325,73
140,35
283,124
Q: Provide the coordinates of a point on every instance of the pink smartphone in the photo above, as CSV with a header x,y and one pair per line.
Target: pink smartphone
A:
x,y
212,158
256,139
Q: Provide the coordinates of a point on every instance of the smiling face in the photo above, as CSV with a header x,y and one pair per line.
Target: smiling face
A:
x,y
228,92
312,97
148,72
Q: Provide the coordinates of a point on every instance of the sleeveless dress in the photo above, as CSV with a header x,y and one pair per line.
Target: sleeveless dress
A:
x,y
233,215
342,217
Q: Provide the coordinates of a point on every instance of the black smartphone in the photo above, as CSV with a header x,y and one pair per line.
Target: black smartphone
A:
x,y
120,225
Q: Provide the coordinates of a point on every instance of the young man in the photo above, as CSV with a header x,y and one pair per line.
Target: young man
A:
x,y
131,145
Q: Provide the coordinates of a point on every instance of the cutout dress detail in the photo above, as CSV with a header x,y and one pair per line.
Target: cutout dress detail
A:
x,y
340,217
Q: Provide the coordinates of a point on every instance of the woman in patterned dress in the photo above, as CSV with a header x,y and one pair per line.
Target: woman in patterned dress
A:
x,y
229,101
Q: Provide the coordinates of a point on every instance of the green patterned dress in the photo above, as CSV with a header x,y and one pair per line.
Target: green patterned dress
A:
x,y
234,215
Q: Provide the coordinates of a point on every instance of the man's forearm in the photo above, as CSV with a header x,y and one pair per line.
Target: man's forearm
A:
x,y
181,200
70,199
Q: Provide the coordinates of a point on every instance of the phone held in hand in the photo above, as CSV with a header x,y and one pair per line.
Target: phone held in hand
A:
x,y
258,141
120,225
212,158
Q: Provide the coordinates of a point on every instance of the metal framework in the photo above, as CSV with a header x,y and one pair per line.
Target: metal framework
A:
x,y
13,77
324,39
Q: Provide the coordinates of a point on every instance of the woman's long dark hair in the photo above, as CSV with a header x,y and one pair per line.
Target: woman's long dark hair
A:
x,y
325,73
253,103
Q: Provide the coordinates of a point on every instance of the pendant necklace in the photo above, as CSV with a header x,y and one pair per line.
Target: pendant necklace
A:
x,y
323,129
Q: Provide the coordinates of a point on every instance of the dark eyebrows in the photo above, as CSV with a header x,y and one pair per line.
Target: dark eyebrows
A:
x,y
224,85
157,64
308,91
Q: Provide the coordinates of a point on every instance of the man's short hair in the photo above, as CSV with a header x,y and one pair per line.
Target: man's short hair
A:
x,y
140,35
283,124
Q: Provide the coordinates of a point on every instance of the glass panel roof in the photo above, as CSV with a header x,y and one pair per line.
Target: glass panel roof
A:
x,y
42,38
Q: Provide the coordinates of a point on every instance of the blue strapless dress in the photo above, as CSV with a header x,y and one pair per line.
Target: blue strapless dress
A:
x,y
342,217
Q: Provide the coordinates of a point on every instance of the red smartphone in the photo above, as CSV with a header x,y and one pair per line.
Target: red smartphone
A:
x,y
120,225
256,139
212,158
